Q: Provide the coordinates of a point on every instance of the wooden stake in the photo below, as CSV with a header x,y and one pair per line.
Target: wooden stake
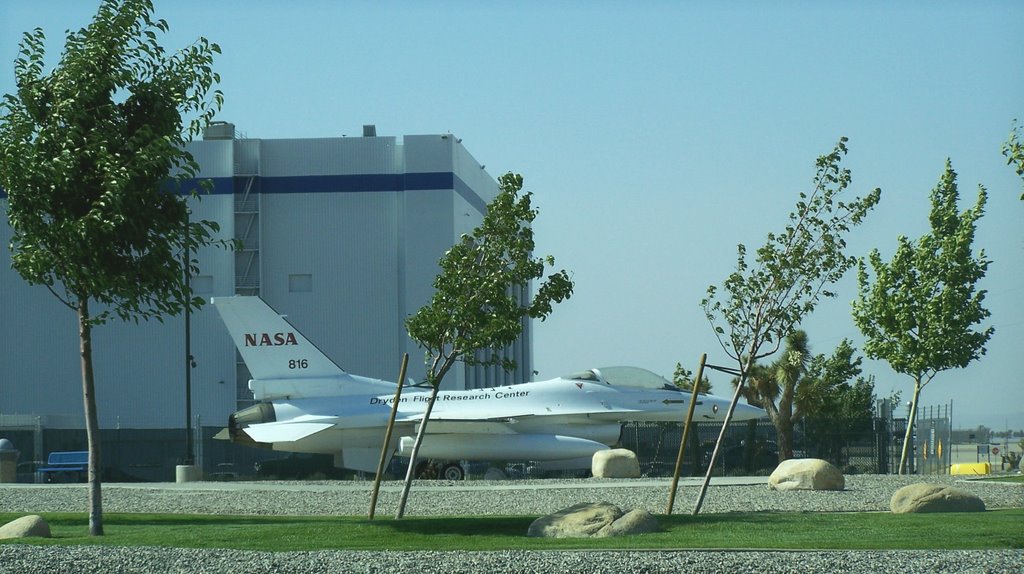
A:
x,y
686,432
387,436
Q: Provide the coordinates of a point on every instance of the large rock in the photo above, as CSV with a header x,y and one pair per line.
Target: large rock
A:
x,y
593,519
925,497
636,521
806,474
578,521
615,463
8,461
31,525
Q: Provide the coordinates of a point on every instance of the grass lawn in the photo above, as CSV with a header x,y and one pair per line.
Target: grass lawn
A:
x,y
996,529
1018,478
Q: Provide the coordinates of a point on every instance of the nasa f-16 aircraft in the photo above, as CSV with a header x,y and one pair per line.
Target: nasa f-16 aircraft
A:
x,y
308,404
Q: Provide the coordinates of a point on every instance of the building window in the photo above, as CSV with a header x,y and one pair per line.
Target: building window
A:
x,y
302,283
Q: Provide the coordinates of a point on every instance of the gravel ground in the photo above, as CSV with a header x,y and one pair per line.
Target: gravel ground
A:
x,y
863,493
107,560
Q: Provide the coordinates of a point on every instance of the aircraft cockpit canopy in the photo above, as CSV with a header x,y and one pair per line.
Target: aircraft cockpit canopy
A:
x,y
591,376
627,377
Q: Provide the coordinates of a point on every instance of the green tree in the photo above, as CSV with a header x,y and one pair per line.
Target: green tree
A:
x,y
920,312
799,387
683,378
85,156
1013,149
480,299
762,304
835,404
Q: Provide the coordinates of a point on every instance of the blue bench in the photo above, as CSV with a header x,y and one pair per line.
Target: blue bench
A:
x,y
63,466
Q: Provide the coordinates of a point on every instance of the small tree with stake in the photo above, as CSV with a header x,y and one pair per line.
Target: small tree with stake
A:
x,y
480,300
86,153
763,304
920,312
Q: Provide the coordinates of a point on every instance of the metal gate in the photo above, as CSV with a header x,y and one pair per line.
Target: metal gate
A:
x,y
932,438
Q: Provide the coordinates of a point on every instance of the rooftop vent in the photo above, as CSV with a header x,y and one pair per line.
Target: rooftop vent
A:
x,y
369,131
219,131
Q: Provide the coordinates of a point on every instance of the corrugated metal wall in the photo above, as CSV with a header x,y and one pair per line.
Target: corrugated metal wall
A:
x,y
347,243
139,369
347,265
328,156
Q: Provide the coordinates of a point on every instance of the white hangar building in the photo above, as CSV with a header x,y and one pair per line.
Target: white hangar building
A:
x,y
342,235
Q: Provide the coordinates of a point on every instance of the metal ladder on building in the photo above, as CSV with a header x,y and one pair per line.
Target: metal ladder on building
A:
x,y
248,268
247,236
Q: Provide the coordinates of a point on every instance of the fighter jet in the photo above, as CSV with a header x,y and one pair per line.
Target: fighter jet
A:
x,y
309,404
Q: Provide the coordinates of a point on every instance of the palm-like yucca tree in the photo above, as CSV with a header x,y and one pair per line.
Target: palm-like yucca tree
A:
x,y
774,389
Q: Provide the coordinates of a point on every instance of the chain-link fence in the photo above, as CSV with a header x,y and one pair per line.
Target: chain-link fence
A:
x,y
749,448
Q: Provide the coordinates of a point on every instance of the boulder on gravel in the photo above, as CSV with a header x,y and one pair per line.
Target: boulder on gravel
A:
x,y
593,519
925,497
806,474
615,463
31,525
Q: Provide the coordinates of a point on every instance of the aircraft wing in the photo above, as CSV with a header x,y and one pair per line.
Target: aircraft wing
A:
x,y
284,431
504,415
477,417
473,426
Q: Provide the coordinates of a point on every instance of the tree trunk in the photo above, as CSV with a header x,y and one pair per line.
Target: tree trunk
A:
x,y
911,419
92,427
781,418
696,454
750,446
785,439
415,452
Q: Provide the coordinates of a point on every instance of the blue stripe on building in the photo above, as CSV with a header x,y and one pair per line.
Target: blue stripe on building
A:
x,y
342,184
354,183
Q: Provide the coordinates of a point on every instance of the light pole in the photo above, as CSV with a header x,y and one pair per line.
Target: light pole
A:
x,y
187,471
189,458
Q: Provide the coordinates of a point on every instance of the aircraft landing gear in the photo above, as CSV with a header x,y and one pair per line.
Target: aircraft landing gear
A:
x,y
433,470
453,471
426,470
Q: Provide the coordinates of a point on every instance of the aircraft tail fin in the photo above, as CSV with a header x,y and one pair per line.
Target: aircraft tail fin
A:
x,y
270,346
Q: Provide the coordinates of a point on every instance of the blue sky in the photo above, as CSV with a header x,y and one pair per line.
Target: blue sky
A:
x,y
655,139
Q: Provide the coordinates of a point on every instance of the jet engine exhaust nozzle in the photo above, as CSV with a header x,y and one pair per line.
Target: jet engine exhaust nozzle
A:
x,y
256,414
